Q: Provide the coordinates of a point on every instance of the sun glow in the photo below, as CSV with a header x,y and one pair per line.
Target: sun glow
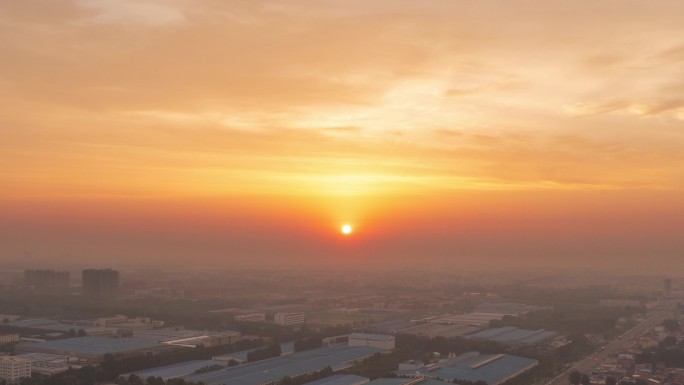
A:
x,y
347,229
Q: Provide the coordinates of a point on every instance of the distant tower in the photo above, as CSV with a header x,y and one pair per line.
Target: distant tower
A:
x,y
667,287
100,283
47,280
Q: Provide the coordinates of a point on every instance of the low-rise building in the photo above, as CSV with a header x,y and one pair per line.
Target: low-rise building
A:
x,y
253,317
379,341
9,338
494,369
289,318
49,364
13,369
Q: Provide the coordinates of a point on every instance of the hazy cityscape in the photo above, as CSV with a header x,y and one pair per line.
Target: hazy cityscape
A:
x,y
341,192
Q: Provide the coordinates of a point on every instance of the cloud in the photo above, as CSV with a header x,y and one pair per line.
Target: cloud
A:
x,y
148,12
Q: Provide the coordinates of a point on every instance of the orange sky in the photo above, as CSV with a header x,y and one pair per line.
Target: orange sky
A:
x,y
446,131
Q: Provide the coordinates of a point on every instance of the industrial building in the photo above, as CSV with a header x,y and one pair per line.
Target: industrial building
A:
x,y
253,317
493,369
92,349
286,348
179,370
188,338
510,335
340,379
13,369
49,364
405,381
378,341
271,371
63,327
286,319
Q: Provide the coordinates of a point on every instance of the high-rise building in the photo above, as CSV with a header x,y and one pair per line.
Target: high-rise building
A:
x,y
47,280
667,287
13,369
100,282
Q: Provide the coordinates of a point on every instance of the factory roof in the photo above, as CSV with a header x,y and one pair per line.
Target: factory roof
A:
x,y
43,357
472,366
506,308
510,334
285,348
32,323
338,357
391,326
404,381
167,372
374,337
93,345
340,379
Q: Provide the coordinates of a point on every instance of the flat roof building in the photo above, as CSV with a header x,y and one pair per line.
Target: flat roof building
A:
x,y
253,317
90,348
340,379
493,369
49,364
286,319
379,341
179,370
272,370
13,369
511,335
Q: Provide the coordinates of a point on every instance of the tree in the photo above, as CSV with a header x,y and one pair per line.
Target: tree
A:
x,y
575,377
672,325
585,380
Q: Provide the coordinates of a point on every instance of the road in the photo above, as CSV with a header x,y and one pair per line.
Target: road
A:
x,y
612,347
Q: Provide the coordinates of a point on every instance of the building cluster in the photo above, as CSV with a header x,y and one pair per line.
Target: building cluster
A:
x,y
94,282
105,327
47,280
494,369
623,366
453,325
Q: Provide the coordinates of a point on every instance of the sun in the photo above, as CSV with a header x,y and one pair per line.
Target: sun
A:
x,y
347,229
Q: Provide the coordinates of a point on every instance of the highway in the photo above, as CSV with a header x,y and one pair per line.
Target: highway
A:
x,y
611,348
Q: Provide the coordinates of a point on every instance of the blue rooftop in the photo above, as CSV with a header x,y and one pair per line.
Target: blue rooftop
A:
x,y
340,379
510,334
403,381
391,326
167,372
93,345
285,348
494,369
338,357
33,323
374,337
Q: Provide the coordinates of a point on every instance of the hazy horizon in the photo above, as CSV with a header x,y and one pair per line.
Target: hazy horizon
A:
x,y
523,135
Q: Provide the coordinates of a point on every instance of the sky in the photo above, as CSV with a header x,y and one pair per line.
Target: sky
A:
x,y
451,133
